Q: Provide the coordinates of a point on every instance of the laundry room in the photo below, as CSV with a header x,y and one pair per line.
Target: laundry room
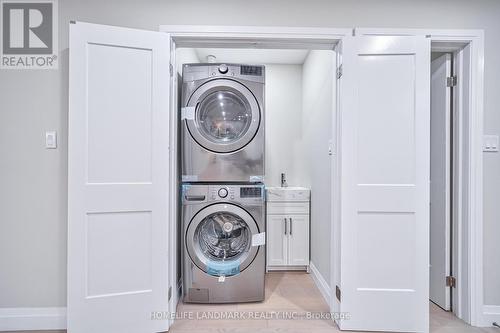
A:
x,y
292,98
265,166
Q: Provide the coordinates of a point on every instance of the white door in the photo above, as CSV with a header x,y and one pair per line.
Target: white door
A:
x,y
118,181
385,183
276,244
298,240
440,222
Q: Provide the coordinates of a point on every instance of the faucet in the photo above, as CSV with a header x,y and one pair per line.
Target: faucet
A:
x,y
283,180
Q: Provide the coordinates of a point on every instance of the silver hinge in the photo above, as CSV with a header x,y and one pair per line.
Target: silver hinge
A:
x,y
451,81
337,292
169,293
171,70
451,281
339,72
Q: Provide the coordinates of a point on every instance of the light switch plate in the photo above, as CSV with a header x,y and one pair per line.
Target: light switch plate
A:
x,y
490,143
51,140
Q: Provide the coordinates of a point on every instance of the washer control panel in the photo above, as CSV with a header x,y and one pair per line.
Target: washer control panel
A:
x,y
241,193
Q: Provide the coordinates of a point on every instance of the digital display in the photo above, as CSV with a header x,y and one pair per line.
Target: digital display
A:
x,y
251,70
250,192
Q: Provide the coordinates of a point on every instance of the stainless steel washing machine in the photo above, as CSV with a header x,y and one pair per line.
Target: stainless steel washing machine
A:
x,y
222,130
223,243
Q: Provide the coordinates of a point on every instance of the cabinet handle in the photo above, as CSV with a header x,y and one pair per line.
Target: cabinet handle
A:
x,y
286,228
290,225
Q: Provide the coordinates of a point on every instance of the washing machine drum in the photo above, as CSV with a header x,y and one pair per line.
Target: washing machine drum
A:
x,y
226,116
219,240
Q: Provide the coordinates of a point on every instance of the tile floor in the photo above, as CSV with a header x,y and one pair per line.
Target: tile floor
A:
x,y
292,292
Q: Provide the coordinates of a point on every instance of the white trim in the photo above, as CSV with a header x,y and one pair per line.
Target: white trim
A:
x,y
254,36
286,268
474,197
464,35
491,314
21,319
174,188
257,32
321,283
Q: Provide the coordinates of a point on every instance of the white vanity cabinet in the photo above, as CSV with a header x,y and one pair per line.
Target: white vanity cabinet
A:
x,y
287,228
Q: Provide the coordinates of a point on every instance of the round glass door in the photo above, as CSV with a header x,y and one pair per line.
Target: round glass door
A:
x,y
227,116
219,240
223,116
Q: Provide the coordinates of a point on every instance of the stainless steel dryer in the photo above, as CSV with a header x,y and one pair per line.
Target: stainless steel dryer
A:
x,y
222,130
223,243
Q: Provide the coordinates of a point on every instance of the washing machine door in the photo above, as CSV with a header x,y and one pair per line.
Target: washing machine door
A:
x,y
219,239
226,115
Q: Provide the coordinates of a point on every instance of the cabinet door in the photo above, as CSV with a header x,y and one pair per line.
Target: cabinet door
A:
x,y
298,240
276,240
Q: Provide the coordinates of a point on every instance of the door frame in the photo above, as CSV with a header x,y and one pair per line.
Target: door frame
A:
x,y
470,225
238,37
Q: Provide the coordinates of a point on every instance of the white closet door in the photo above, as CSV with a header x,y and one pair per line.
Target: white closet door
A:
x,y
385,183
118,179
440,181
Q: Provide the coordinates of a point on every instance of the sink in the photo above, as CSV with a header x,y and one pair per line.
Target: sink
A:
x,y
290,193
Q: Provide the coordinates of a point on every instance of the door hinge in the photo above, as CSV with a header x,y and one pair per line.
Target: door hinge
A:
x,y
169,293
451,81
339,72
171,70
451,281
337,292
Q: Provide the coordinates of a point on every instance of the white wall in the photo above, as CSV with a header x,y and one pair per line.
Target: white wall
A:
x,y
299,101
283,114
33,180
318,87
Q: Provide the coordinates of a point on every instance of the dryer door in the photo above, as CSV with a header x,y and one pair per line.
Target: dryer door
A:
x,y
226,116
219,239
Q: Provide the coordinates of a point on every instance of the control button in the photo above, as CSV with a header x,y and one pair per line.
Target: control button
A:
x,y
223,69
223,192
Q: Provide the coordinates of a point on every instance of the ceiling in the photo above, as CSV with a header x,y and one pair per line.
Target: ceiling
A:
x,y
254,56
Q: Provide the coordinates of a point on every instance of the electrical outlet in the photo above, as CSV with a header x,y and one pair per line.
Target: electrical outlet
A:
x,y
490,143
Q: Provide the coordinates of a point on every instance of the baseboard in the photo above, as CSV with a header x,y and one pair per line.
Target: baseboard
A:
x,y
491,314
24,319
286,268
321,283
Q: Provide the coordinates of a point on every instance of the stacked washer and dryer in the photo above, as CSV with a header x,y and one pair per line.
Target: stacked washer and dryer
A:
x,y
222,162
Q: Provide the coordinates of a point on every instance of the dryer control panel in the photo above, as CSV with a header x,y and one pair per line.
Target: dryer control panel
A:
x,y
201,71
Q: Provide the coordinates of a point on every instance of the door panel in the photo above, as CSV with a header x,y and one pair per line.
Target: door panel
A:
x,y
118,179
385,183
440,223
298,240
277,241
